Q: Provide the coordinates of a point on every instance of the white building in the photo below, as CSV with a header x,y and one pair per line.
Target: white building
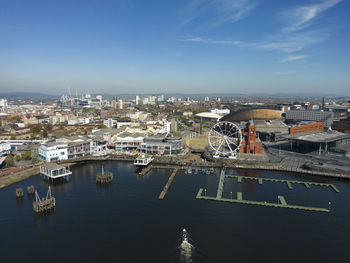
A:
x,y
221,112
128,142
137,98
166,126
53,151
72,122
84,120
5,148
3,105
120,104
109,123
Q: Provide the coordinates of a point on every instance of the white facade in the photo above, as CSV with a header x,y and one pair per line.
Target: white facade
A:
x,y
84,120
120,104
72,122
166,126
137,98
3,105
5,148
53,152
109,123
220,111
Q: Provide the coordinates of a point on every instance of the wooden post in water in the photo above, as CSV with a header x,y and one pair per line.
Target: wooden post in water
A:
x,y
104,178
19,193
30,190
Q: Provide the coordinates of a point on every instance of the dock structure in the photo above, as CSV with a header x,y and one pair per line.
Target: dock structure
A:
x,y
104,178
19,193
53,171
281,201
288,182
143,160
167,185
30,190
221,185
44,205
145,170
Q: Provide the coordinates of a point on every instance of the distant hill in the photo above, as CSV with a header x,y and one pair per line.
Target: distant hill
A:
x,y
27,95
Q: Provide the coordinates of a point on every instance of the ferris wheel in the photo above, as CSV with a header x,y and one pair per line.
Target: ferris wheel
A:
x,y
225,139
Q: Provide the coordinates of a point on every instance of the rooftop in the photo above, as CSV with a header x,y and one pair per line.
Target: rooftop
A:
x,y
53,166
318,136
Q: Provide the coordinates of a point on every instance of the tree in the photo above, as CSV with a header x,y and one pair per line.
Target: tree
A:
x,y
9,161
49,127
27,155
35,129
45,135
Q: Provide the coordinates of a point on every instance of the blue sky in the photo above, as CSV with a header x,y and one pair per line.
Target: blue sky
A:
x,y
194,46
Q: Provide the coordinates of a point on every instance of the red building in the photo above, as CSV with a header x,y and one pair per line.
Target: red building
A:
x,y
316,126
251,143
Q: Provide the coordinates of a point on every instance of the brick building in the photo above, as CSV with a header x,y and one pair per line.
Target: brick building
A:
x,y
251,143
316,126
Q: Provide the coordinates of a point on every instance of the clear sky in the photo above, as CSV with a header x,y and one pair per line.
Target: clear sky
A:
x,y
194,46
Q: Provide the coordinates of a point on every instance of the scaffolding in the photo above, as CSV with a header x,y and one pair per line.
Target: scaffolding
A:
x,y
44,205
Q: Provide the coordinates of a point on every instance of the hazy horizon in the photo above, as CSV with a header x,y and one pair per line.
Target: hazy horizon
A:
x,y
189,47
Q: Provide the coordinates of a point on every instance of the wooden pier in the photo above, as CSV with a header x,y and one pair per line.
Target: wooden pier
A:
x,y
19,193
167,185
281,201
104,178
288,182
145,170
44,205
30,190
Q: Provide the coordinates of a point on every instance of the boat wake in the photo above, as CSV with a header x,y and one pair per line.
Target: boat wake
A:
x,y
186,249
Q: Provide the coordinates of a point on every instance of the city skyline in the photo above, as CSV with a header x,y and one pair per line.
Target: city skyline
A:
x,y
193,46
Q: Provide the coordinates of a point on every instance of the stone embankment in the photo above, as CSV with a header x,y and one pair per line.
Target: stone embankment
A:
x,y
14,175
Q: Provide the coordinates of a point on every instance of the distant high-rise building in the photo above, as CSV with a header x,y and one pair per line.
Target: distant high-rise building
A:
x,y
206,99
120,104
173,125
137,98
3,105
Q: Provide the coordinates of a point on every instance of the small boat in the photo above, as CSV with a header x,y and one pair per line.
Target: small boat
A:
x,y
184,236
189,171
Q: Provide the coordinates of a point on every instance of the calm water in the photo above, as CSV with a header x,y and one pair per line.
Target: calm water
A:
x,y
127,223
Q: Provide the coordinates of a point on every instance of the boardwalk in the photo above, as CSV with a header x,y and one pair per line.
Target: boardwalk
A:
x,y
167,185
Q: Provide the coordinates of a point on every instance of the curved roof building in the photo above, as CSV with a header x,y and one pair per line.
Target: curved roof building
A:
x,y
253,114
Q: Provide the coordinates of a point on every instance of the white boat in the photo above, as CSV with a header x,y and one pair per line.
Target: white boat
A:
x,y
184,236
143,160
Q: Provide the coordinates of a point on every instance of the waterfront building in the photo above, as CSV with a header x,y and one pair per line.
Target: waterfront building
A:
x,y
128,142
53,151
53,171
160,144
251,143
5,148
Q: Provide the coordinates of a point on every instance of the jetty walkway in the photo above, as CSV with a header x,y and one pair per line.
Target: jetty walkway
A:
x,y
167,185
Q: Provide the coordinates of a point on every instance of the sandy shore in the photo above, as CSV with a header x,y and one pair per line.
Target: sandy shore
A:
x,y
16,177
21,175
